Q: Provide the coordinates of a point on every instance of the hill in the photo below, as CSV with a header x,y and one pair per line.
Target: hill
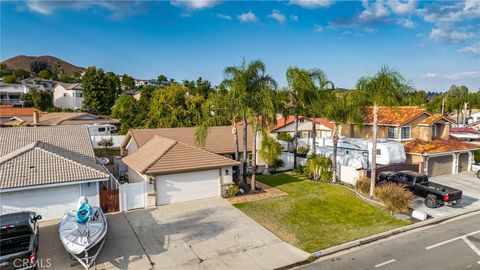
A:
x,y
24,61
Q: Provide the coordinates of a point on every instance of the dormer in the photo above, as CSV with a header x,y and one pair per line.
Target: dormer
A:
x,y
435,126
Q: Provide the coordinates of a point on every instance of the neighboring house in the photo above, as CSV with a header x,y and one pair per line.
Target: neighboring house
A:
x,y
426,138
465,133
14,116
474,118
55,118
46,170
219,139
39,84
11,94
177,172
68,95
323,127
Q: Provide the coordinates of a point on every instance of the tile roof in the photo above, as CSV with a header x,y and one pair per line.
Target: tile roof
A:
x,y
463,130
61,118
432,119
71,86
15,111
394,115
418,146
163,156
281,122
219,139
45,155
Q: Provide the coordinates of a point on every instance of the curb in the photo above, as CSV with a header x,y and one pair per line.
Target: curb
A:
x,y
369,239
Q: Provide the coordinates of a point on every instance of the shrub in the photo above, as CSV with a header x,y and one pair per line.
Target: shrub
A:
x,y
284,136
303,150
278,163
363,185
395,197
319,167
476,156
301,169
232,190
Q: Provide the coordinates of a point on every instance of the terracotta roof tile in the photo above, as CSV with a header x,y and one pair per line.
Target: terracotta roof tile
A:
x,y
435,118
418,146
219,139
394,116
14,111
163,156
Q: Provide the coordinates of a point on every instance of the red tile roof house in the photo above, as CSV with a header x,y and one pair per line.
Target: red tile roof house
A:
x,y
174,168
426,137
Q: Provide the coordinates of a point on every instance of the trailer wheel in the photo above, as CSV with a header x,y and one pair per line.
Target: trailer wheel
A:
x,y
430,201
478,173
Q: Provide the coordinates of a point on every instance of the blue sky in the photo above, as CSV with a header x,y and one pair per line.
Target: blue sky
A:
x,y
434,44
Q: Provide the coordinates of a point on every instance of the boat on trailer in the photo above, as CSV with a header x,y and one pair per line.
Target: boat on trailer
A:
x,y
83,231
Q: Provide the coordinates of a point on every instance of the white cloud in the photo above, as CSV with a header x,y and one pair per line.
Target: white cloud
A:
x,y
407,23
373,10
312,4
429,75
293,18
402,7
194,4
370,30
318,28
278,16
471,50
464,75
449,36
247,17
224,16
185,14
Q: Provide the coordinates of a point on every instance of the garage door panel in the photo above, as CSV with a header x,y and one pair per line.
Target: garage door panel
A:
x,y
187,186
51,203
440,165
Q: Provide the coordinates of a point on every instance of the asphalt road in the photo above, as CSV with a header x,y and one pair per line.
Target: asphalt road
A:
x,y
453,245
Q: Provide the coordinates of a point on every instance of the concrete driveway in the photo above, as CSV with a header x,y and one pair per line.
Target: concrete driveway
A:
x,y
202,234
467,182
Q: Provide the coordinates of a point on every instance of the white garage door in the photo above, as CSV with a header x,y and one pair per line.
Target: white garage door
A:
x,y
189,186
51,203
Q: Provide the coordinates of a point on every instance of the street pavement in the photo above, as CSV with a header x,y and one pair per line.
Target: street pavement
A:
x,y
453,245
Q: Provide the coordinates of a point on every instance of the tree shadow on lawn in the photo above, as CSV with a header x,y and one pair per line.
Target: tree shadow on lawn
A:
x,y
280,179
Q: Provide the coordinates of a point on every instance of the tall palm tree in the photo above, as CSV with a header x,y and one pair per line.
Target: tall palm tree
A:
x,y
385,88
247,81
342,108
299,95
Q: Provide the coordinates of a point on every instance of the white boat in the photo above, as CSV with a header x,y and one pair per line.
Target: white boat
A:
x,y
83,232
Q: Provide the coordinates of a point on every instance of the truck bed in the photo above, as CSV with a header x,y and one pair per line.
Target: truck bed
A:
x,y
15,245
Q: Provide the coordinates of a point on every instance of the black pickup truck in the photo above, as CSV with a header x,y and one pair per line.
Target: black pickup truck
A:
x,y
434,194
19,240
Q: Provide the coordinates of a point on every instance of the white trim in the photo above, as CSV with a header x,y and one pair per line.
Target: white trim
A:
x,y
52,185
443,153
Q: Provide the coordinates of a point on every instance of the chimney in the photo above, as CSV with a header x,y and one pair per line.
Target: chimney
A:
x,y
36,121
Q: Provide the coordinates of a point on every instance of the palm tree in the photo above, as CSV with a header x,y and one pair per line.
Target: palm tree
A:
x,y
219,109
248,82
317,165
385,88
342,108
269,150
299,95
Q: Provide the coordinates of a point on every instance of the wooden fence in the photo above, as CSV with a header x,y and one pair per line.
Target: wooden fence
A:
x,y
109,200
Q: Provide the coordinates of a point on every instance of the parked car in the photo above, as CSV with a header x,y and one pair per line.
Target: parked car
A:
x,y
19,240
476,169
434,194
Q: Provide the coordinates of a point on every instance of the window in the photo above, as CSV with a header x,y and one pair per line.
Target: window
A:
x,y
392,133
379,152
64,94
79,94
405,133
102,129
434,130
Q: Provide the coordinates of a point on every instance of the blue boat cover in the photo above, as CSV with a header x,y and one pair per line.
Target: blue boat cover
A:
x,y
83,213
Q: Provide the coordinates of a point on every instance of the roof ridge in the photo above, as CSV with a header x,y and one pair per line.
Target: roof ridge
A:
x,y
42,148
18,152
174,142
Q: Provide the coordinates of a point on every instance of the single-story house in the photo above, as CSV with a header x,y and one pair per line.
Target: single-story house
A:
x,y
176,171
46,170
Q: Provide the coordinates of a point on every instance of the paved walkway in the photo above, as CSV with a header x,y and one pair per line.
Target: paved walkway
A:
x,y
267,192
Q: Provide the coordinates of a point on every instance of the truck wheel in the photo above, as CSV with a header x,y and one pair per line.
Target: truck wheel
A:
x,y
430,201
478,173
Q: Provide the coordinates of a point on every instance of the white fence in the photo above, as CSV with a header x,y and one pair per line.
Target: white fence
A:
x,y
288,161
132,195
117,140
348,174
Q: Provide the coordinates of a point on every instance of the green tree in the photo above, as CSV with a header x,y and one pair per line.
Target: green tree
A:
x,y
319,167
39,99
10,79
385,88
343,109
38,65
199,87
45,74
99,90
128,82
269,150
162,79
21,74
126,110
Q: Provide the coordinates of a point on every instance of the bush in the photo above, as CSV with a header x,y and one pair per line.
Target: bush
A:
x,y
301,169
319,168
395,197
476,156
363,185
232,190
278,163
284,136
303,150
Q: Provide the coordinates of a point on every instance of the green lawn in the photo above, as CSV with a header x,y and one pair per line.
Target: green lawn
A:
x,y
317,215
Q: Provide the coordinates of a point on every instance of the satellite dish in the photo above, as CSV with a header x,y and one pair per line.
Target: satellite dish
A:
x,y
103,160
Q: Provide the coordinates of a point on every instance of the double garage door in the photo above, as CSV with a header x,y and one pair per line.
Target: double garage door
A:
x,y
187,186
51,203
444,164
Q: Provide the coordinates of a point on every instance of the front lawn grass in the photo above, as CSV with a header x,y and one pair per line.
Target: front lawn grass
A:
x,y
314,215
